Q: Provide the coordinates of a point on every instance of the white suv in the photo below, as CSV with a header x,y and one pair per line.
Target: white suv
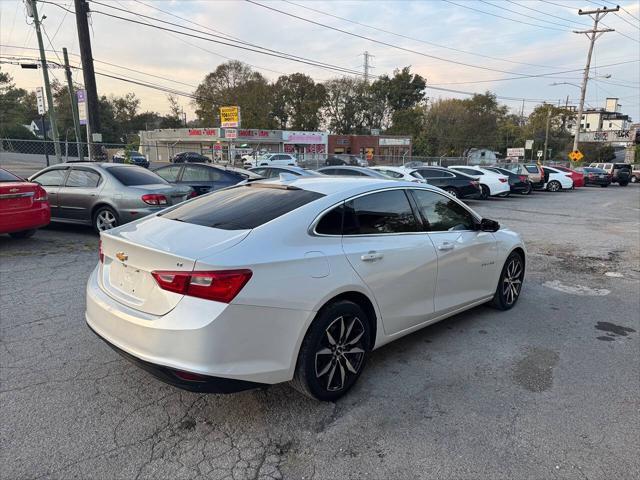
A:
x,y
272,159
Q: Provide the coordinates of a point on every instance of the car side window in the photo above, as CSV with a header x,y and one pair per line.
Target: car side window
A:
x,y
82,178
331,222
381,212
170,173
260,171
195,173
52,178
469,171
442,214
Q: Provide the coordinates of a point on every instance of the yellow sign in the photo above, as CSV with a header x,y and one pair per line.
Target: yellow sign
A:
x,y
230,117
576,155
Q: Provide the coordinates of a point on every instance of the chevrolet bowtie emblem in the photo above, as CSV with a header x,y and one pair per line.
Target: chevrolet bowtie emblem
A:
x,y
14,190
123,257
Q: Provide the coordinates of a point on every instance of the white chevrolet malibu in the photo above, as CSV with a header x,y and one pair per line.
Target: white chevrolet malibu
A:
x,y
294,280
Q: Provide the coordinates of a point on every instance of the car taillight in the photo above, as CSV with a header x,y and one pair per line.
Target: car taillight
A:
x,y
475,183
192,194
523,178
154,199
221,285
568,175
41,195
503,180
100,252
592,175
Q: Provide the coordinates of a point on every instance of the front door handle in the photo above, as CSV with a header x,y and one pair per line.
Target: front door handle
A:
x,y
371,257
446,246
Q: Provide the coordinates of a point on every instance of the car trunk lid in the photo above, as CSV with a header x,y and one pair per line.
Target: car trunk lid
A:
x,y
17,196
132,252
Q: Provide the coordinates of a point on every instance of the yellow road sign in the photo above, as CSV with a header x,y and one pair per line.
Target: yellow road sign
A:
x,y
576,155
230,117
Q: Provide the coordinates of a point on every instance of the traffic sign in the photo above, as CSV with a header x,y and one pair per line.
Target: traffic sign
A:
x,y
576,155
539,154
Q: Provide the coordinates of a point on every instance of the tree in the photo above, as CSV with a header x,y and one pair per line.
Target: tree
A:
x,y
297,101
344,108
174,118
17,107
235,83
560,140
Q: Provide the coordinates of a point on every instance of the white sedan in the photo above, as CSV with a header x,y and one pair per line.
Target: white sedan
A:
x,y
491,183
556,180
400,173
294,280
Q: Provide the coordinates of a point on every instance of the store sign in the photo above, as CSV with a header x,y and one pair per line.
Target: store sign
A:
x,y
40,99
202,132
230,117
255,134
230,133
304,138
342,141
607,136
528,144
515,152
82,106
389,142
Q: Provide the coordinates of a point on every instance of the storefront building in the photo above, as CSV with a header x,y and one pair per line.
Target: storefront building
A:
x,y
389,149
224,144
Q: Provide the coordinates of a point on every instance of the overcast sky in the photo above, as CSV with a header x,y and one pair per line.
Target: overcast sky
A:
x,y
471,31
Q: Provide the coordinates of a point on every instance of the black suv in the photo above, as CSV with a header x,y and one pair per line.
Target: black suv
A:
x,y
620,172
457,184
190,157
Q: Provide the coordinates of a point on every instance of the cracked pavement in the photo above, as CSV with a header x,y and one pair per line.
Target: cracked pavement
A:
x,y
530,393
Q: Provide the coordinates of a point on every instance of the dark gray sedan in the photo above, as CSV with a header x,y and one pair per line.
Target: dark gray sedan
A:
x,y
351,171
105,195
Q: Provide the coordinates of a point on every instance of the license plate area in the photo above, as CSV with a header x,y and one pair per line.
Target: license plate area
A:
x,y
129,280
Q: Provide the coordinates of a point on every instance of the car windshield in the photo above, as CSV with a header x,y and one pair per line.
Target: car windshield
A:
x,y
241,208
8,177
594,170
133,176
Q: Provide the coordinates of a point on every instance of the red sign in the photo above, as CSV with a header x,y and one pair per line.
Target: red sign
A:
x,y
197,132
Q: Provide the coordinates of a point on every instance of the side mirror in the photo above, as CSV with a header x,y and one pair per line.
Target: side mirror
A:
x,y
488,225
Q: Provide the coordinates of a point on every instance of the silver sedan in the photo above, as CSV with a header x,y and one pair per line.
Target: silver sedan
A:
x,y
105,195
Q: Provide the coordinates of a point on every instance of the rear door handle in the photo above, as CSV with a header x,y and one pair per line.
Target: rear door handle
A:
x,y
371,257
446,246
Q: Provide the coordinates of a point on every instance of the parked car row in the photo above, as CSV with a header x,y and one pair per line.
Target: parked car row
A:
x,y
106,195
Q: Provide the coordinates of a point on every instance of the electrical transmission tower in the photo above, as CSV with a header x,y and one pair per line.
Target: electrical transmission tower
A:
x,y
367,65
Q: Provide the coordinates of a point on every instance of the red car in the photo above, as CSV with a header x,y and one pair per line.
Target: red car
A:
x,y
577,177
24,206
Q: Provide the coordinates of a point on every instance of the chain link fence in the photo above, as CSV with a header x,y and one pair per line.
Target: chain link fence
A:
x,y
25,157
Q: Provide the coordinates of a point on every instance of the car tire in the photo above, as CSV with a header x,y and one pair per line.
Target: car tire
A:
x,y
326,370
452,191
528,190
23,234
484,192
634,179
510,283
604,186
623,184
554,186
105,218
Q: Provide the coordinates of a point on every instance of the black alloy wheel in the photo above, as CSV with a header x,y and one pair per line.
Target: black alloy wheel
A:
x,y
510,283
334,352
484,192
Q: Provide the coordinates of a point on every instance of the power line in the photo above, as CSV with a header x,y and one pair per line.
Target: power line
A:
x,y
548,14
500,16
382,42
525,15
416,39
276,53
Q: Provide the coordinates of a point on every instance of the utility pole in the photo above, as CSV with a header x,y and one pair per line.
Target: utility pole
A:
x,y
593,34
84,40
367,66
73,100
546,134
32,11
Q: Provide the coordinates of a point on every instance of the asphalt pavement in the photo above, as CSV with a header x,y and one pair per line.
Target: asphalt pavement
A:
x,y
546,390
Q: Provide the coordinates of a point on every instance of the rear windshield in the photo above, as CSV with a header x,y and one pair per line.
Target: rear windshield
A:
x,y
241,208
531,169
133,176
8,177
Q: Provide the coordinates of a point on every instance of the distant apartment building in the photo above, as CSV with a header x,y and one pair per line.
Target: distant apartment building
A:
x,y
606,124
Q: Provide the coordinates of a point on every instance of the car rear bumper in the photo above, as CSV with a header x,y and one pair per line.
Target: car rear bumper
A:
x,y
20,220
227,342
